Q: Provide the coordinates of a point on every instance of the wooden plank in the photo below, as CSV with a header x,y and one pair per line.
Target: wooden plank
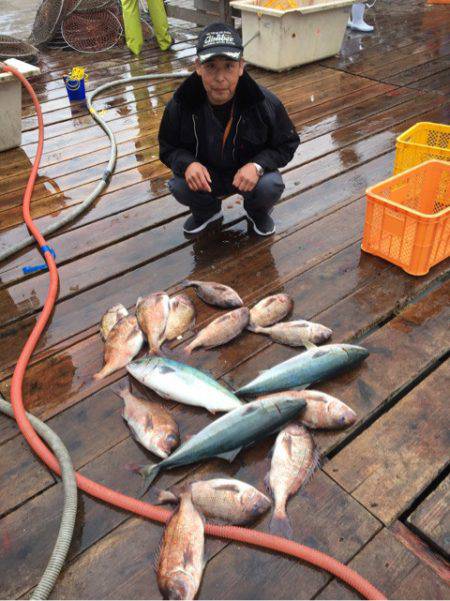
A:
x,y
416,74
22,474
390,463
439,83
391,567
432,517
421,549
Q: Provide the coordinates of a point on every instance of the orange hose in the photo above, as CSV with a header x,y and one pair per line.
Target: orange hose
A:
x,y
244,535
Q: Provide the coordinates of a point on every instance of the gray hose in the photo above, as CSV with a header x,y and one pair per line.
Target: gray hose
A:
x,y
59,553
7,251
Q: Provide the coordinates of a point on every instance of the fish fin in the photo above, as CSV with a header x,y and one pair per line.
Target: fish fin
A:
x,y
315,464
134,467
309,345
161,497
105,371
230,455
280,525
134,433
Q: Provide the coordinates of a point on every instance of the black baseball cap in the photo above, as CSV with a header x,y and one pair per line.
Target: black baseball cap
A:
x,y
218,39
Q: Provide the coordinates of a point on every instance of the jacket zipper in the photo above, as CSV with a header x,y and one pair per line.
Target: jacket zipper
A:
x,y
196,137
234,139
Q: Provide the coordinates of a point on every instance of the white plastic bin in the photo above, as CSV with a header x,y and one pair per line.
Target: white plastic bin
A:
x,y
283,39
11,103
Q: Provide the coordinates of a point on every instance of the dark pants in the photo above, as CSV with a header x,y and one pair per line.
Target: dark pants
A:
x,y
262,198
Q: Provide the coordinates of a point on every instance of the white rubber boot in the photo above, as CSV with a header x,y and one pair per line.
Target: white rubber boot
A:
x,y
357,22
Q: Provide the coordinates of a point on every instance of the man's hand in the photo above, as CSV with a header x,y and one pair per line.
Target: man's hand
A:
x,y
246,178
197,178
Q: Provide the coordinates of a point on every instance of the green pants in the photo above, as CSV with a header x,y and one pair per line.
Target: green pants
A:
x,y
133,29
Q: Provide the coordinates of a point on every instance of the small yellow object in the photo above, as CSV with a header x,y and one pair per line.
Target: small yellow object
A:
x,y
78,73
281,4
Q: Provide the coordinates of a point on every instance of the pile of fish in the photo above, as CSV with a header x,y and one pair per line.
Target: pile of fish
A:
x,y
282,404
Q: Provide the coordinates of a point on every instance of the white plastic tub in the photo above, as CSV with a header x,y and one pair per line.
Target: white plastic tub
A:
x,y
11,104
283,39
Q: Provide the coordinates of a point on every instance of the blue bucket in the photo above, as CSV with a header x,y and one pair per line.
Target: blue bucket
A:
x,y
75,88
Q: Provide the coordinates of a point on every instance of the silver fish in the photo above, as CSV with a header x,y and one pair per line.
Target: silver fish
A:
x,y
221,330
152,313
123,343
226,499
269,310
152,426
296,333
110,318
227,435
306,368
216,294
181,559
183,383
181,316
294,460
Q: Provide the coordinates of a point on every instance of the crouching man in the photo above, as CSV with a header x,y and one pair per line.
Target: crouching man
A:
x,y
223,134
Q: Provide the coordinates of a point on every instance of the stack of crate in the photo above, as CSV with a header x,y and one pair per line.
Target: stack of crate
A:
x,y
408,215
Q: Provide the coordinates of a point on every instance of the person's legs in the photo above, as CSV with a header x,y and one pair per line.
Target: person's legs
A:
x,y
259,203
204,206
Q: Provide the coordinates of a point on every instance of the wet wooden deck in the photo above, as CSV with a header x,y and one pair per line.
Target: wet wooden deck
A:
x,y
379,501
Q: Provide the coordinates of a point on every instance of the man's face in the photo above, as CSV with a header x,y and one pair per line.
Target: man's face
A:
x,y
220,77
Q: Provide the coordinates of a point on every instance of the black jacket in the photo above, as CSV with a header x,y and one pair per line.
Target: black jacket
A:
x,y
261,132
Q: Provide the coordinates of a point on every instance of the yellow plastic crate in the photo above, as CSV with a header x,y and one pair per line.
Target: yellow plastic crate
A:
x,y
422,142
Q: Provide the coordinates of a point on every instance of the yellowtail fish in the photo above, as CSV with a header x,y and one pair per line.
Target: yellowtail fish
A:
x,y
225,436
306,368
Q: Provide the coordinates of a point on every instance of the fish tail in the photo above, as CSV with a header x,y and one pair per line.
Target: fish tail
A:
x,y
149,473
280,524
185,284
